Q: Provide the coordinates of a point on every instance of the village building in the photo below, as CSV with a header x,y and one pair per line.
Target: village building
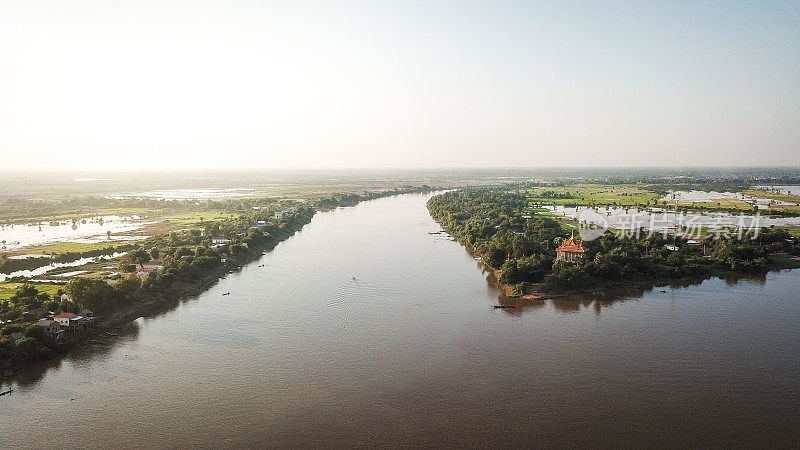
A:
x,y
70,321
153,267
51,327
570,250
282,212
63,319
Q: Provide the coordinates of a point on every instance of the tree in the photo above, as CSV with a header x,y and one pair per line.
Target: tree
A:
x,y
29,296
139,256
126,287
27,348
567,273
89,292
12,328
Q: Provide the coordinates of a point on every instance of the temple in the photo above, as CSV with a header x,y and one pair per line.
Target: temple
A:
x,y
570,249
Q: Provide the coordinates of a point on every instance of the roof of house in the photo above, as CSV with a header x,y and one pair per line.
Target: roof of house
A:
x,y
63,315
571,246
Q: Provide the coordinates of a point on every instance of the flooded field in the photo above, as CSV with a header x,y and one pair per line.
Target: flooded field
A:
x,y
660,220
683,197
53,266
732,198
192,194
84,230
365,330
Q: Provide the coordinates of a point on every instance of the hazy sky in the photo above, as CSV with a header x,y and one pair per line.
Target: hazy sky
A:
x,y
257,84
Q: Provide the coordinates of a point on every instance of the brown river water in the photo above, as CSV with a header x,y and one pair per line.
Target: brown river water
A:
x,y
411,352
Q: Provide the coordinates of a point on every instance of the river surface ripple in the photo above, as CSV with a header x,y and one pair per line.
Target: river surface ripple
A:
x,y
411,352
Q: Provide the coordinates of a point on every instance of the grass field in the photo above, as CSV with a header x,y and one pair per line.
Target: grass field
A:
x,y
7,290
773,196
721,203
592,194
68,247
793,230
197,218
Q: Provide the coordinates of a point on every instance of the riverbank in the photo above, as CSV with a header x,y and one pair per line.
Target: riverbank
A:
x,y
300,353
155,296
520,248
145,305
623,288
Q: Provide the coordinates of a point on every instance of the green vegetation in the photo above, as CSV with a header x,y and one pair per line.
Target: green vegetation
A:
x,y
645,195
582,194
78,247
724,204
8,289
197,218
772,195
496,223
8,265
156,271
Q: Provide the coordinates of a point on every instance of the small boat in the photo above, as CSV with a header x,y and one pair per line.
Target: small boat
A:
x,y
261,265
226,293
503,306
7,392
354,278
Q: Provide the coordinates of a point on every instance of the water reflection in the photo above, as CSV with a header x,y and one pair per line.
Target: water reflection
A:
x,y
411,353
607,297
96,347
86,230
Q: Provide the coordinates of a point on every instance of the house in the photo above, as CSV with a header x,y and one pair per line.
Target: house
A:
x,y
63,298
282,212
154,265
672,248
51,327
86,313
63,319
141,274
570,249
70,321
220,241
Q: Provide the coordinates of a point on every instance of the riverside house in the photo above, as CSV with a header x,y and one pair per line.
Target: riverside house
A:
x,y
70,321
51,327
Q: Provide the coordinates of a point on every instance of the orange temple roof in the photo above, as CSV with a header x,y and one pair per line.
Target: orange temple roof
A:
x,y
571,246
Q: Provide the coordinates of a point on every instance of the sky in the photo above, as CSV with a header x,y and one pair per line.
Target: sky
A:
x,y
136,85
